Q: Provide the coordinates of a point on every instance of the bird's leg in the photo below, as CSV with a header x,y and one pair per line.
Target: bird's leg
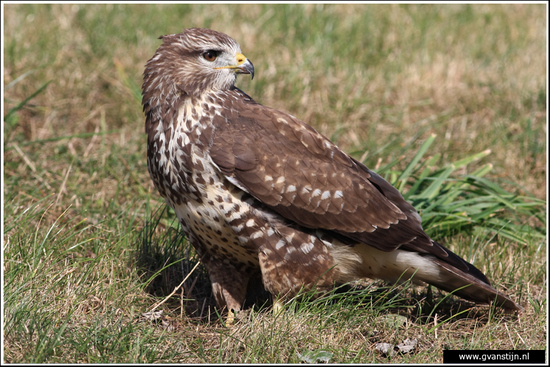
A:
x,y
229,296
277,305
230,319
228,285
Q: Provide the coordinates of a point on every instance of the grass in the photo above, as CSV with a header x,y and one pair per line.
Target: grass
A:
x,y
418,92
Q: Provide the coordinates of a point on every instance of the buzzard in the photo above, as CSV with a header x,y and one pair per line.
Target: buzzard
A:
x,y
258,190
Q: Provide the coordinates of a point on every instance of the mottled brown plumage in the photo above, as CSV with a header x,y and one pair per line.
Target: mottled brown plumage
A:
x,y
257,189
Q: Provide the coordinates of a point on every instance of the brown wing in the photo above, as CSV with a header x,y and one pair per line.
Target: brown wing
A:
x,y
300,174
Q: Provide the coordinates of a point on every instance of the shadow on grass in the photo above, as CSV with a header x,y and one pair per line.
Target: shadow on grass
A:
x,y
421,305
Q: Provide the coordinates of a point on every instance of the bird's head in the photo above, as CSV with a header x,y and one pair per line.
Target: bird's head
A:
x,y
196,61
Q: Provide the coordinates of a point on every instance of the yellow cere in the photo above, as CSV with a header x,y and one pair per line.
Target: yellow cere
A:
x,y
240,60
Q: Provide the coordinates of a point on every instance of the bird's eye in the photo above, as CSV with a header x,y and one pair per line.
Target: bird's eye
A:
x,y
210,55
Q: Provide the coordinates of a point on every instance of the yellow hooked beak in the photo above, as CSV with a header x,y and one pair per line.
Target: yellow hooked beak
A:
x,y
244,66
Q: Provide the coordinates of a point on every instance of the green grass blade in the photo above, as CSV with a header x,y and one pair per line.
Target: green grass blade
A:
x,y
403,178
25,101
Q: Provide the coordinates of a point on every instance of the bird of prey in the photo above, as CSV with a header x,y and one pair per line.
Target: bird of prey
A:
x,y
258,190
